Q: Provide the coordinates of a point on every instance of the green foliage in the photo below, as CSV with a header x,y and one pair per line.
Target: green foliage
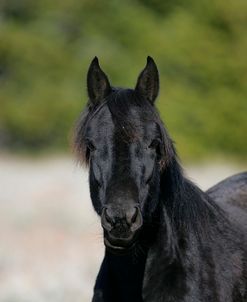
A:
x,y
199,46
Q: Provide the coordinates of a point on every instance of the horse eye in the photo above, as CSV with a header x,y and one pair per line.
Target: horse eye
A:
x,y
154,144
90,145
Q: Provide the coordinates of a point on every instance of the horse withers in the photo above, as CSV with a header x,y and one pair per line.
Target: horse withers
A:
x,y
165,239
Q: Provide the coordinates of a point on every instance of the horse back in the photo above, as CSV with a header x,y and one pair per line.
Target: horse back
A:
x,y
231,195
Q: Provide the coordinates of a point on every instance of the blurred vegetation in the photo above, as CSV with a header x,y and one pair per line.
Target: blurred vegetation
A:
x,y
200,48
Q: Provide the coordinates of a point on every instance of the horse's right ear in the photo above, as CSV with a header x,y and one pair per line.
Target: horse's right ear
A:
x,y
98,85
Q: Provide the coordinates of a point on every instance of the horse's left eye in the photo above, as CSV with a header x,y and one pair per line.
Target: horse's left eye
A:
x,y
154,144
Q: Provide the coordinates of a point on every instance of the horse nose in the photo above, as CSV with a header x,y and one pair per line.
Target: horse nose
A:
x,y
132,217
107,219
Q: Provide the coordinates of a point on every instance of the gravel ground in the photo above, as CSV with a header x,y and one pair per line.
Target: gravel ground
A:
x,y
50,238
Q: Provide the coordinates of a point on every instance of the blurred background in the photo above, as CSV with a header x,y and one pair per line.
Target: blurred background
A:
x,y
50,239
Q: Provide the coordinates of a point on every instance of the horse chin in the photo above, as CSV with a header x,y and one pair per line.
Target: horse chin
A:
x,y
119,249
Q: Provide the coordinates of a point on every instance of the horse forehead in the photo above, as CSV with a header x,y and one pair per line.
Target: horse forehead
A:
x,y
101,124
134,126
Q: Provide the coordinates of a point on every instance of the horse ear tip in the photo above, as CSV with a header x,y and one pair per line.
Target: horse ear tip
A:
x,y
95,61
150,59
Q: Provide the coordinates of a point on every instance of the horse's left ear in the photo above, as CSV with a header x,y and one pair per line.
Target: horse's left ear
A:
x,y
148,81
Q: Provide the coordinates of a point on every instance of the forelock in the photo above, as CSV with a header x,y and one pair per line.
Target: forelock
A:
x,y
125,107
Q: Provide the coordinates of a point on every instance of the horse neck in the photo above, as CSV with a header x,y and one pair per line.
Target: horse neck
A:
x,y
126,273
187,212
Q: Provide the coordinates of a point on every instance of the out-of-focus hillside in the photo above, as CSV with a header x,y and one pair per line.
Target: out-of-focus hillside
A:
x,y
50,239
200,48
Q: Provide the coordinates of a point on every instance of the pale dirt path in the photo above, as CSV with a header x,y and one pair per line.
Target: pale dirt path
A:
x,y
50,238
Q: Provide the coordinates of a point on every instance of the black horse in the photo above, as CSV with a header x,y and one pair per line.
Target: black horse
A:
x,y
165,239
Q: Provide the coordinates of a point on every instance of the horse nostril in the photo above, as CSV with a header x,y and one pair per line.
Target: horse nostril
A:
x,y
108,216
131,215
107,221
134,218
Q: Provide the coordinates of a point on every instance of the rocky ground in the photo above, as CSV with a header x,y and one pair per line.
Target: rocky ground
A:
x,y
50,238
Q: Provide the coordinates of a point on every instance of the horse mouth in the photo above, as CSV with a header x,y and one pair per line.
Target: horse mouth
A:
x,y
118,248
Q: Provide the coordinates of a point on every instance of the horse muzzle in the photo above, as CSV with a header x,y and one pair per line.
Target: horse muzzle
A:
x,y
121,227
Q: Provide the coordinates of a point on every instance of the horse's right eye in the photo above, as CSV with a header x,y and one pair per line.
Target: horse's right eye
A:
x,y
90,146
89,149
